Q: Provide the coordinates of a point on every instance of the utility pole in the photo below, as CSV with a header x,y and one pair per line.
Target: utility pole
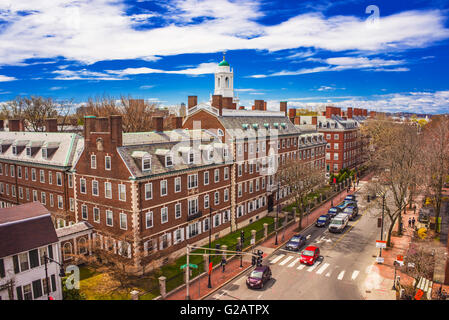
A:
x,y
382,222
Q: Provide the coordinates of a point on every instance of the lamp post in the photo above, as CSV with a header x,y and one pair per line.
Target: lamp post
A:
x,y
209,283
61,272
382,223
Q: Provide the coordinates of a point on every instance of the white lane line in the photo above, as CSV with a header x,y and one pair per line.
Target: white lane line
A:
x,y
328,274
340,276
286,260
355,274
293,263
279,257
323,267
301,266
310,269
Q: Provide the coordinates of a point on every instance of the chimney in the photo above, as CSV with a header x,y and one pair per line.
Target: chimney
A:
x,y
177,123
337,112
329,112
253,108
372,114
314,120
89,126
349,112
264,106
283,107
291,113
234,106
14,125
259,105
158,124
116,129
103,124
298,120
365,112
242,108
227,103
192,101
2,125
51,125
217,102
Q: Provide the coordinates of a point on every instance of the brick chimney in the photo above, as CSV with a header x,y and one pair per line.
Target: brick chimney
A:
x,y
217,102
51,125
227,103
314,120
365,112
177,123
116,128
329,110
89,126
192,101
265,106
372,114
158,124
283,107
297,120
102,124
349,112
259,105
14,125
291,113
242,108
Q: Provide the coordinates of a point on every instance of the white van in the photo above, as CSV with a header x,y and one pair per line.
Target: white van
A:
x,y
339,223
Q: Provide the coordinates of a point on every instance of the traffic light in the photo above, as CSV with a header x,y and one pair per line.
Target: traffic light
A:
x,y
259,258
242,236
253,260
335,180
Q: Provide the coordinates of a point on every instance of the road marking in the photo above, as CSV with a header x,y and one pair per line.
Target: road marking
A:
x,y
355,274
293,263
347,231
286,260
301,266
279,257
324,267
340,276
260,295
312,267
328,274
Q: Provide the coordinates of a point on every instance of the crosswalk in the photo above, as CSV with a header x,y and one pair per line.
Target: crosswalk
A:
x,y
325,269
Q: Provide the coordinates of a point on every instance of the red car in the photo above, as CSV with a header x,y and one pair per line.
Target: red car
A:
x,y
309,255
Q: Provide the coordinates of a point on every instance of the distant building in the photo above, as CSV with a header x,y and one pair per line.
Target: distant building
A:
x,y
26,235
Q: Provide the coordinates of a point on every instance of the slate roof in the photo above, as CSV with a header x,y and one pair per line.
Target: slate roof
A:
x,y
68,147
25,227
238,122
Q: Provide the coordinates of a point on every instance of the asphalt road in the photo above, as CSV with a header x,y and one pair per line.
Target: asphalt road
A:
x,y
342,272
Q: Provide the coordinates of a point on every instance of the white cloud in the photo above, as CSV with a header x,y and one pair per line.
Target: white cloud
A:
x,y
6,78
203,68
94,30
83,74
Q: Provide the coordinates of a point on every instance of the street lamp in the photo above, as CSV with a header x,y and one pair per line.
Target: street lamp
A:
x,y
61,273
277,214
382,222
209,284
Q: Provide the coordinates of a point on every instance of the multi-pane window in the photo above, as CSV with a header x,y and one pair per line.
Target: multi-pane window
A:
x,y
217,175
71,202
226,195
43,198
50,177
216,197
107,162
226,173
149,219
146,163
148,191
164,215
177,184
168,161
192,181
163,188
93,161
70,180
59,178
177,210
33,174
96,213
34,195
206,177
83,185
108,190
84,213
206,201
60,202
122,192
109,218
193,206
95,187
12,170
123,221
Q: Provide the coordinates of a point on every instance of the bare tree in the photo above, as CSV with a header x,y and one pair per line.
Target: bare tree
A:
x,y
434,164
301,179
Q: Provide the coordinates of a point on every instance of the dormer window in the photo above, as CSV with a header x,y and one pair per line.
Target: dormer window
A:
x,y
14,150
245,126
220,133
168,160
191,158
146,163
44,153
28,150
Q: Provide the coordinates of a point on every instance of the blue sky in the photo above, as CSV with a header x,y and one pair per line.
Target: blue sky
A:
x,y
306,52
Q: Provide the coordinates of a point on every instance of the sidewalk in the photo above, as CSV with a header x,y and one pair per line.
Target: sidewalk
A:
x,y
199,289
379,283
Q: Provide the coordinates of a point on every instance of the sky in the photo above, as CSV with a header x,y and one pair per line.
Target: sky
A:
x,y
379,55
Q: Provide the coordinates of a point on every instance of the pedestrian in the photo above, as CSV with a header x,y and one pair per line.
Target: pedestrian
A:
x,y
223,263
413,222
409,222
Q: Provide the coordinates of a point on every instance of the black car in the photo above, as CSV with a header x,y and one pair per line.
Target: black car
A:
x,y
352,212
258,277
323,220
296,242
334,211
350,203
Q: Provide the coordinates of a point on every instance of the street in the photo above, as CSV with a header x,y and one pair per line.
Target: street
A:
x,y
341,273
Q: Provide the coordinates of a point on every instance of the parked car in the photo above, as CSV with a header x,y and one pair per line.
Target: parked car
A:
x,y
334,211
350,203
342,206
352,212
339,223
425,213
323,220
258,277
309,255
351,197
296,242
